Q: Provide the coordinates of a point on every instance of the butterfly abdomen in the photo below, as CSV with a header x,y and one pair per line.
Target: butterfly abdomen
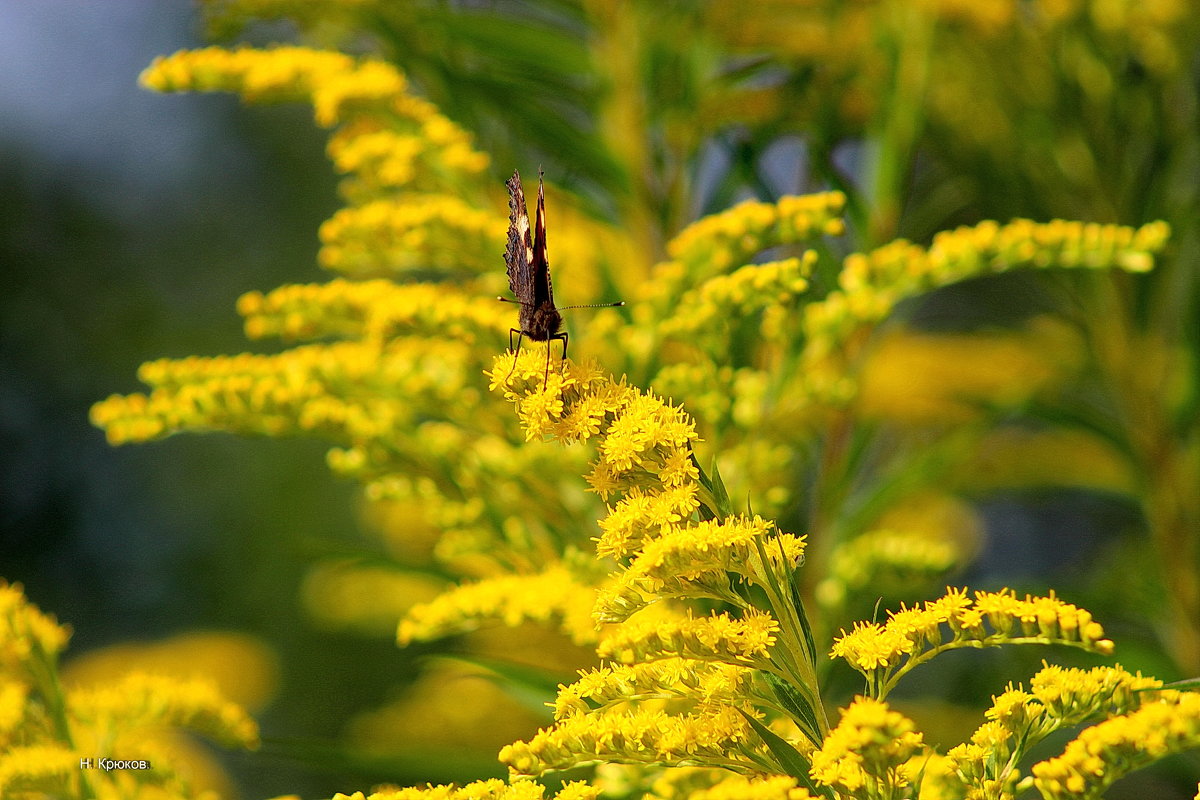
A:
x,y
540,323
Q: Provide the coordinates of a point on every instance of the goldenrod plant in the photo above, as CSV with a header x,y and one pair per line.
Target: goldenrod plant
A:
x,y
114,739
788,468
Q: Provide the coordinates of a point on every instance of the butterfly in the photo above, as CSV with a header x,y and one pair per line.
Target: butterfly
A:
x,y
529,274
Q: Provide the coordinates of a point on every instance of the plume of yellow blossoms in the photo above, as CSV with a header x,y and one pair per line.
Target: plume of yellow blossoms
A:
x,y
884,653
1019,719
480,790
56,742
398,392
1113,748
756,346
868,754
385,361
682,690
697,676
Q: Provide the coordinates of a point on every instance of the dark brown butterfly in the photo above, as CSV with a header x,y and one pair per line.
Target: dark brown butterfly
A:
x,y
529,274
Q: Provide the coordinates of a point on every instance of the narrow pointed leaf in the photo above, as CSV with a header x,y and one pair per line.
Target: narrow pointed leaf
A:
x,y
719,492
796,704
789,758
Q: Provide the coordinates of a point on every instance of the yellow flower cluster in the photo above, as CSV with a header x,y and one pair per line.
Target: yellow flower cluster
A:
x,y
339,87
301,390
645,463
480,790
884,653
718,737
374,309
46,732
553,595
720,242
1019,719
142,700
28,770
646,470
26,634
392,237
708,275
719,637
1110,750
739,294
867,755
646,442
706,684
744,787
697,560
871,284
281,74
382,159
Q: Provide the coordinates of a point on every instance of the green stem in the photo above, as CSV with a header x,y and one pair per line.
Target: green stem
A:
x,y
892,147
44,671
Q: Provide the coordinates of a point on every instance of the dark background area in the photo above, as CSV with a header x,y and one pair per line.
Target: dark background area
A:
x,y
130,223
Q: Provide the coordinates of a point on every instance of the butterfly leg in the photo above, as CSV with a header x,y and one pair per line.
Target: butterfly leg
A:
x,y
513,350
563,338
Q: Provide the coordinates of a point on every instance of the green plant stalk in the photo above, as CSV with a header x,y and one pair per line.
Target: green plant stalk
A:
x,y
1168,471
45,674
891,148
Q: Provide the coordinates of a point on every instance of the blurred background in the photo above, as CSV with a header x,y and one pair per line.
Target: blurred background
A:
x,y
131,222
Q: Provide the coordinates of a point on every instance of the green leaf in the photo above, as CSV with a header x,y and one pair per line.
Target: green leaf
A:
x,y
724,508
796,704
1182,686
706,513
805,625
788,757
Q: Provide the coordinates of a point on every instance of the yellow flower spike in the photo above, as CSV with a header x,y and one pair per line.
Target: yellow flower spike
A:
x,y
554,595
739,294
705,684
39,768
1106,752
149,700
872,746
280,74
696,561
1019,719
334,83
885,653
375,309
719,637
719,242
871,284
644,736
29,639
396,236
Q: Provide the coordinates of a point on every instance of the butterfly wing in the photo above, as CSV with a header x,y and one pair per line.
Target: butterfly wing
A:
x,y
519,255
542,292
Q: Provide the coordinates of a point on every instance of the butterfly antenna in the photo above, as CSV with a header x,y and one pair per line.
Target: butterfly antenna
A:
x,y
595,305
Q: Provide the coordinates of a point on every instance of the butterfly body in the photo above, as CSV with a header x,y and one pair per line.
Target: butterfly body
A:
x,y
529,269
529,273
